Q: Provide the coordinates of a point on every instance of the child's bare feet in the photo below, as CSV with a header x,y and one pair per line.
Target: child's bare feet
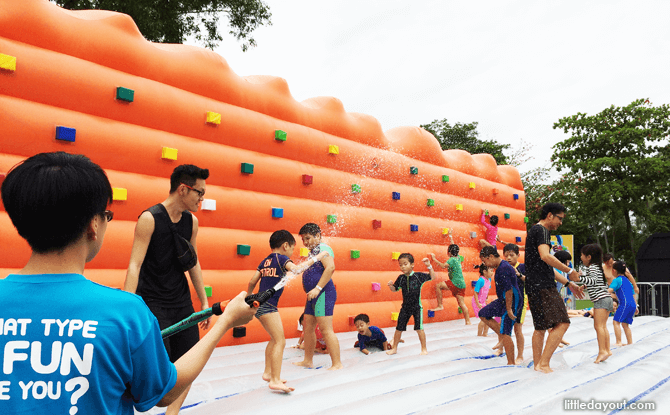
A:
x,y
280,387
519,360
438,308
498,352
497,346
544,369
601,357
424,352
267,378
392,351
336,367
619,344
304,364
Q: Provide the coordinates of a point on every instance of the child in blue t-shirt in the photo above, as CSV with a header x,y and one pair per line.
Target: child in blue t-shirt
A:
x,y
270,271
623,315
369,336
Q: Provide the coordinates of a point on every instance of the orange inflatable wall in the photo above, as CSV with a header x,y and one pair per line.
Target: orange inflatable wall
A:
x,y
310,159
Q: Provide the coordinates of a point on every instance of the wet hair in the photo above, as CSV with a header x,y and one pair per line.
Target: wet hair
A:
x,y
487,251
620,267
607,256
493,220
596,253
407,256
52,197
553,208
482,268
310,229
511,247
278,238
453,250
563,256
363,317
186,174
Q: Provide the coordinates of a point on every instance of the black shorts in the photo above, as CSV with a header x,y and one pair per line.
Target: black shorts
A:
x,y
547,308
178,344
405,314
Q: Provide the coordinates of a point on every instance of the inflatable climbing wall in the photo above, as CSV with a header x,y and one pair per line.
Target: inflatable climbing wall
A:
x,y
87,82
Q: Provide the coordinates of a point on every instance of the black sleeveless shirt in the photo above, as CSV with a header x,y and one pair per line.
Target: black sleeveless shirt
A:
x,y
161,281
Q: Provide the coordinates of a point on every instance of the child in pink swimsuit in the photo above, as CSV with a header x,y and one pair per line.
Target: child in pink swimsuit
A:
x,y
491,230
481,294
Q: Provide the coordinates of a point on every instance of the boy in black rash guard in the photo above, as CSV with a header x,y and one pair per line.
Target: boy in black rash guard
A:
x,y
410,283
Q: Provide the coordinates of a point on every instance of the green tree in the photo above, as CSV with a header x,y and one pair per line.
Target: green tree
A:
x,y
465,137
620,156
174,21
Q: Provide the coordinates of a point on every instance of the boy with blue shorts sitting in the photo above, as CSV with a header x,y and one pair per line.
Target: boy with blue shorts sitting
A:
x,y
321,296
509,303
369,336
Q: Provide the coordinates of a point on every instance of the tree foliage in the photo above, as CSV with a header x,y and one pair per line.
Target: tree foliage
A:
x,y
174,21
465,137
619,157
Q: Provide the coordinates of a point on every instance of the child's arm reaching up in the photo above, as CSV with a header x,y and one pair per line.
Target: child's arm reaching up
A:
x,y
443,265
430,268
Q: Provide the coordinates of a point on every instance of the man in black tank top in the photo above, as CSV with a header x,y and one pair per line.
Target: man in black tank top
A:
x,y
154,272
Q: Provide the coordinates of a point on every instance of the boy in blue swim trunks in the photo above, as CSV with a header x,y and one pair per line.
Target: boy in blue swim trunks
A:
x,y
410,283
270,271
509,303
321,296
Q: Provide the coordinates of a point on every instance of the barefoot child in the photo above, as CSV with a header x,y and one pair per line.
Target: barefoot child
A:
x,y
369,336
509,303
456,283
321,295
320,345
410,283
270,272
596,285
491,235
511,254
481,294
625,292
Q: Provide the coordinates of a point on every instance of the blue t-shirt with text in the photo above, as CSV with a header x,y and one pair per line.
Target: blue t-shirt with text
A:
x,y
78,339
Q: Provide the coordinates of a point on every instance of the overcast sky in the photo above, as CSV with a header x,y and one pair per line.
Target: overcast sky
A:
x,y
516,67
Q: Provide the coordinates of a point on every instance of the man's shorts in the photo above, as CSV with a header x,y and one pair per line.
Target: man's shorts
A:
x,y
266,308
179,343
405,314
324,304
498,308
547,308
455,290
